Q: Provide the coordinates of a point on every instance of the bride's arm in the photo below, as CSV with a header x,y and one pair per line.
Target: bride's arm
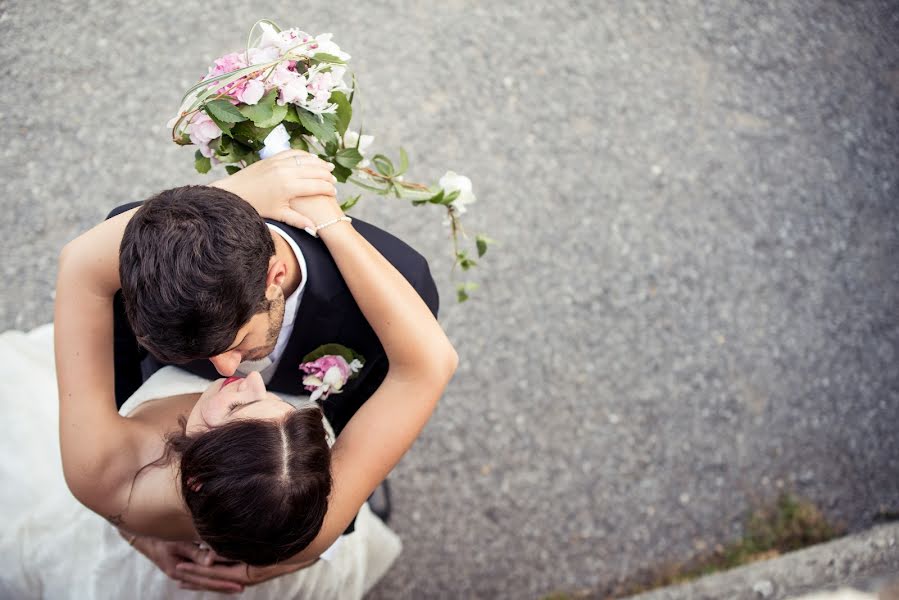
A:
x,y
97,445
422,362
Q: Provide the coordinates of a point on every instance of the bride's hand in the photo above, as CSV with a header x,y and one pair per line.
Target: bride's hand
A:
x,y
197,576
270,185
169,555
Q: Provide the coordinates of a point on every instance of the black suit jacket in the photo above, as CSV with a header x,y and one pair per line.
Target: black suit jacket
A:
x,y
327,314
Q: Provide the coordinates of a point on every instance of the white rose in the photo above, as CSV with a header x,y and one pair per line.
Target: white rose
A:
x,y
270,37
259,56
452,182
351,138
334,378
294,90
293,37
276,141
326,46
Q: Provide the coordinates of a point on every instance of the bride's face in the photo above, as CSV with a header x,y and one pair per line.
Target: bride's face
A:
x,y
226,400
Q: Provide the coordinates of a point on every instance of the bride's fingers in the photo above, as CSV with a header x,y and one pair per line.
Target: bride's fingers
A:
x,y
294,219
311,172
297,188
205,584
300,158
213,557
234,574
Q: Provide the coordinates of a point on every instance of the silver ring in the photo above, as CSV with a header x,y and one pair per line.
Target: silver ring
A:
x,y
298,160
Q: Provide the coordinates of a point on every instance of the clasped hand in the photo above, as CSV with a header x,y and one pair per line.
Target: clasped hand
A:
x,y
293,187
196,568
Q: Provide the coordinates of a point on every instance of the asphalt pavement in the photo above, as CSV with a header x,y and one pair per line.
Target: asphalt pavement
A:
x,y
695,300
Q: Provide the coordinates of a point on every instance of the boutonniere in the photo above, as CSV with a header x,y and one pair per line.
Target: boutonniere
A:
x,y
328,368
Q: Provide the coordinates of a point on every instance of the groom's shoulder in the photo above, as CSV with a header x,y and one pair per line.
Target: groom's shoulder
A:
x,y
386,242
395,250
408,261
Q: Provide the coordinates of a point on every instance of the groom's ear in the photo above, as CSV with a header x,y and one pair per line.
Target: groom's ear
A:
x,y
277,272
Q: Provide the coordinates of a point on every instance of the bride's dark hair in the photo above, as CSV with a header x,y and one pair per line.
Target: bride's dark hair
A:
x,y
257,488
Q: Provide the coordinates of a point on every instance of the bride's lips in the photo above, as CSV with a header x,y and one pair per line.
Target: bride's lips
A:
x,y
230,380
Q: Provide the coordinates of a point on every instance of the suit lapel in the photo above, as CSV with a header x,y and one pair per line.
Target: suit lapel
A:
x,y
317,320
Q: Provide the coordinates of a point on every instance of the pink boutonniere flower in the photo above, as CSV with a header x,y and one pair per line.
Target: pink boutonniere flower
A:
x,y
328,368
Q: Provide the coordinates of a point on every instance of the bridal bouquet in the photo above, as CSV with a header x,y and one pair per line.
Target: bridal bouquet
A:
x,y
288,89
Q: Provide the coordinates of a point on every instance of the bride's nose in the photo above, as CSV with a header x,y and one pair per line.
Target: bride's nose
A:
x,y
254,382
226,363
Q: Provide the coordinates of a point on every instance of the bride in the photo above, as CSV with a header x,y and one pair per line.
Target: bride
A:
x,y
234,467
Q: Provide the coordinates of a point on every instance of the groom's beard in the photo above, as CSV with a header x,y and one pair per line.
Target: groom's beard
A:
x,y
275,320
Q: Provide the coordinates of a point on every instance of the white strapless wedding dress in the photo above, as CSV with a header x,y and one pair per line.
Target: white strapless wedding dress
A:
x,y
52,547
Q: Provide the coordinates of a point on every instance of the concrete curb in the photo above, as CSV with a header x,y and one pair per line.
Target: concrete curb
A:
x,y
866,560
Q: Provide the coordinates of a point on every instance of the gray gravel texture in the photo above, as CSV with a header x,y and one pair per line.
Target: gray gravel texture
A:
x,y
695,301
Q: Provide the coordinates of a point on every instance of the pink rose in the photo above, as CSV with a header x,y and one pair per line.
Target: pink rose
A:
x,y
228,63
252,92
327,375
202,129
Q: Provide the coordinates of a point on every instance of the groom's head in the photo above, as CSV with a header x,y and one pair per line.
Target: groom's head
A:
x,y
200,278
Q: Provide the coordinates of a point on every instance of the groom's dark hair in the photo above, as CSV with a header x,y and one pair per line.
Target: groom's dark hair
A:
x,y
193,264
257,489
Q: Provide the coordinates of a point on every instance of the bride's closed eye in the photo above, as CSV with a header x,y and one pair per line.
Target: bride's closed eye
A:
x,y
236,406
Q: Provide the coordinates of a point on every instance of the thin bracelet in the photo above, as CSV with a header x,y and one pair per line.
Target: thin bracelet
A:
x,y
313,231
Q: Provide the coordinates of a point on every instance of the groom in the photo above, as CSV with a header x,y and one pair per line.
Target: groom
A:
x,y
207,284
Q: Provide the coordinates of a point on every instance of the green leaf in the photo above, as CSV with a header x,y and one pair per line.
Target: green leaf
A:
x,y
247,133
225,127
297,141
261,112
226,150
341,173
278,114
462,290
239,151
232,169
482,242
350,202
404,162
435,199
335,350
323,129
224,111
368,187
344,111
332,147
201,163
465,262
291,116
382,164
328,58
348,157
